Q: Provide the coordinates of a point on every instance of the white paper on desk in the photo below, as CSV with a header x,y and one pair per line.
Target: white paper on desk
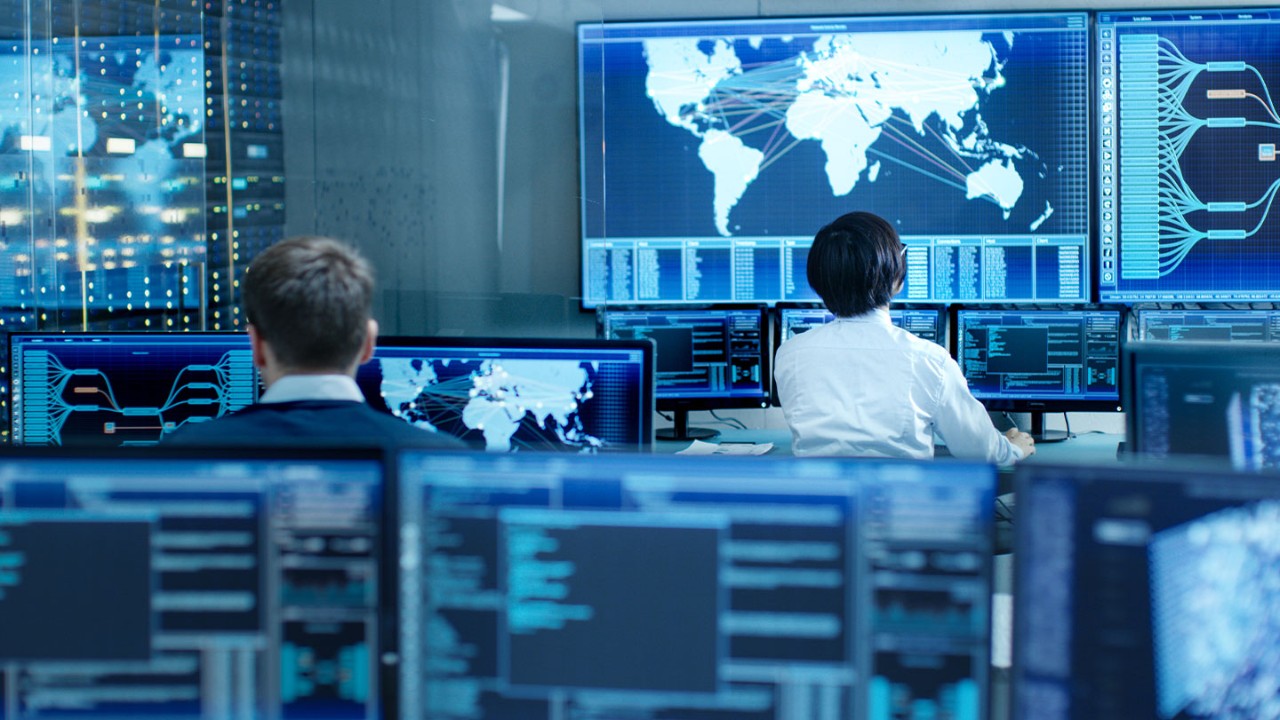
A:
x,y
698,447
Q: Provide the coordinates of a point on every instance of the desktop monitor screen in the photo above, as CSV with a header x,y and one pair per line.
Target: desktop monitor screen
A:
x,y
1145,593
1187,155
706,358
1210,325
1040,360
926,324
1212,399
191,586
119,389
610,587
712,152
517,394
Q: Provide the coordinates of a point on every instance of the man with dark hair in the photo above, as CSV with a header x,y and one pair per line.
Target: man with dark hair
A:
x,y
309,301
859,385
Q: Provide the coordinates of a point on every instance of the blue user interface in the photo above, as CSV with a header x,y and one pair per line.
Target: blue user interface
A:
x,y
712,151
648,587
1209,325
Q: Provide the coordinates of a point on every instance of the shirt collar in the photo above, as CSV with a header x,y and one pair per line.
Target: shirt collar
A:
x,y
878,315
293,388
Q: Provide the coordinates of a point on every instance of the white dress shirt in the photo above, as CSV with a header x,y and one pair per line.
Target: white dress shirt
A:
x,y
860,386
294,388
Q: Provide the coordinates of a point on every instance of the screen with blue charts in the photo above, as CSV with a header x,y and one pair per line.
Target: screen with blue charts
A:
x,y
1043,356
1210,325
506,395
190,586
124,388
1187,155
716,356
1145,593
648,587
924,324
713,151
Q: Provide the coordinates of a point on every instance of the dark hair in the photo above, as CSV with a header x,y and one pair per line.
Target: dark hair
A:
x,y
310,298
856,264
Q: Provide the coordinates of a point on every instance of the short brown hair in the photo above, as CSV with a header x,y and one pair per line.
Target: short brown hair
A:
x,y
855,264
310,298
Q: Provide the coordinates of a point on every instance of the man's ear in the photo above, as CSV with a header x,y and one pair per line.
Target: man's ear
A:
x,y
370,342
255,342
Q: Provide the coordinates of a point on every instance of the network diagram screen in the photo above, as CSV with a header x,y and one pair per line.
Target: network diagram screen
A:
x,y
189,588
1042,356
1187,160
575,396
713,151
1210,325
650,587
1144,593
924,324
1214,400
703,355
123,389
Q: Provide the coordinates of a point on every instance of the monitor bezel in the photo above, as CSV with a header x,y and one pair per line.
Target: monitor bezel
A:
x,y
1242,355
510,343
706,403
1047,405
20,335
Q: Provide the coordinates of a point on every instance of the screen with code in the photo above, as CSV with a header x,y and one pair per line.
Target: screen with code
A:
x,y
124,388
1042,356
1210,325
1145,593
924,324
1187,155
186,586
713,151
507,395
650,587
720,357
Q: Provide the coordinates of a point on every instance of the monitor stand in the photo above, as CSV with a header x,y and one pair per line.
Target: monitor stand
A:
x,y
1040,435
682,431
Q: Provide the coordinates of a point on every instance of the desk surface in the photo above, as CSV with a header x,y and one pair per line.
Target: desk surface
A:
x,y
1086,448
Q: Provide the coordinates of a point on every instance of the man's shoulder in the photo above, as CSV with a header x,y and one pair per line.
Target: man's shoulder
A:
x,y
310,422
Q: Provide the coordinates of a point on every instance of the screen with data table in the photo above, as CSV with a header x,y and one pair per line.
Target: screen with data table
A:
x,y
1187,155
188,586
123,389
926,324
650,587
716,357
1065,359
1209,325
510,394
713,151
1145,593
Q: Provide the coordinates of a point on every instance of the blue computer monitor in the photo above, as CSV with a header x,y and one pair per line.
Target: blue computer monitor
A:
x,y
712,151
1187,155
1040,360
1212,399
508,394
1209,325
192,585
119,389
1144,593
925,323
655,586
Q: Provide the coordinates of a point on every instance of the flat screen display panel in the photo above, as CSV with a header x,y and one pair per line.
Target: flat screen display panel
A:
x,y
1209,325
713,151
1210,399
708,357
1041,359
926,324
504,394
191,586
1187,155
615,586
120,389
1144,593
